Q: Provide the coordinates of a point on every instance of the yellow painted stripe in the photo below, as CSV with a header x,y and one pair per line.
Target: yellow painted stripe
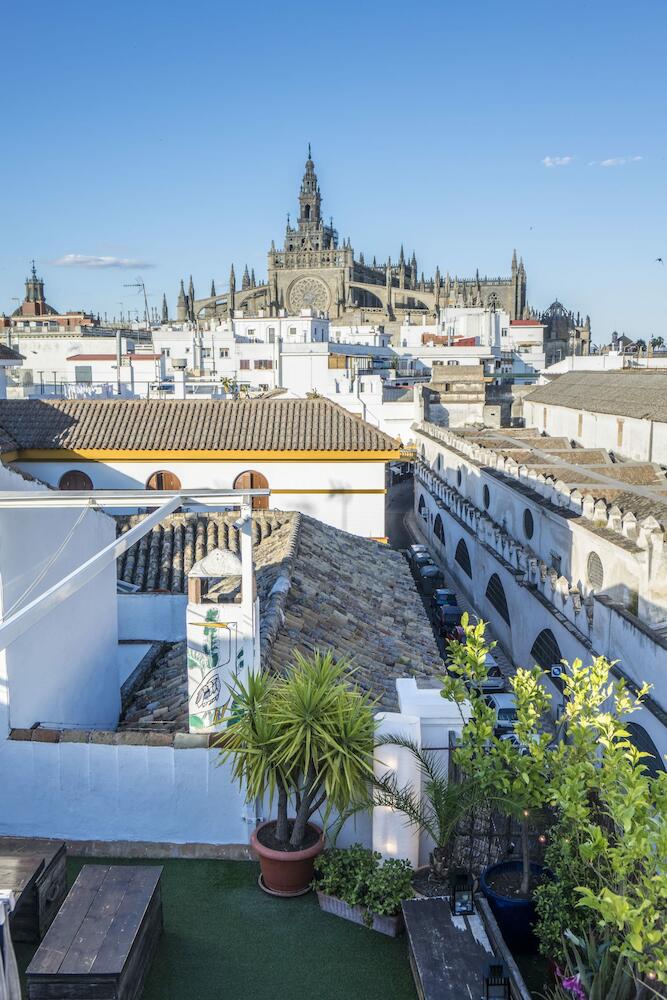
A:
x,y
299,492
10,456
184,455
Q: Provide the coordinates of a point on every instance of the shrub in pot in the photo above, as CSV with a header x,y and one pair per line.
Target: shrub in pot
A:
x,y
356,884
512,777
436,807
303,739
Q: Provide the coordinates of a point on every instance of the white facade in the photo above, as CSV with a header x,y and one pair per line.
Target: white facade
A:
x,y
639,439
366,335
346,494
483,325
46,366
538,543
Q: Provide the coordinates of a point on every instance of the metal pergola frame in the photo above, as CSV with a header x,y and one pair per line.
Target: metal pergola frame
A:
x,y
168,501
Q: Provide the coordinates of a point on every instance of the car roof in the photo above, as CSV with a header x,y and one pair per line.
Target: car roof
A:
x,y
503,700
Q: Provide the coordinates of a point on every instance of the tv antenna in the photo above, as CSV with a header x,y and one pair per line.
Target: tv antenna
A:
x,y
138,283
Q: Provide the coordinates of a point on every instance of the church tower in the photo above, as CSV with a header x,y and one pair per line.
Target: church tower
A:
x,y
310,199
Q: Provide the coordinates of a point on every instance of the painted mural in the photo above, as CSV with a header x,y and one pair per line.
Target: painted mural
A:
x,y
213,664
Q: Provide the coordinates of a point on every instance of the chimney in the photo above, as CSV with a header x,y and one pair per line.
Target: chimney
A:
x,y
178,367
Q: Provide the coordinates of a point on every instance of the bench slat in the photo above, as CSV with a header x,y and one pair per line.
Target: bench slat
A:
x,y
63,930
127,921
94,928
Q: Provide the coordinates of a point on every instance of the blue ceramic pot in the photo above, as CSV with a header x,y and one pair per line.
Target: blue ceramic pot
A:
x,y
515,917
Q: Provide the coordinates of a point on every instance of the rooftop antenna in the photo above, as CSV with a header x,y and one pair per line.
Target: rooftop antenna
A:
x,y
138,283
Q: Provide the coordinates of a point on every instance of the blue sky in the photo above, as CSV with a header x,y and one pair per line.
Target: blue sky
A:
x,y
175,135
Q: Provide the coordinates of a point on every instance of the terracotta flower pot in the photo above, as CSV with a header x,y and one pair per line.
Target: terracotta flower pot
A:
x,y
287,873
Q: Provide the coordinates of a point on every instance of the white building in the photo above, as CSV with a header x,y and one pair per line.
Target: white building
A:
x,y
315,457
560,548
48,350
624,410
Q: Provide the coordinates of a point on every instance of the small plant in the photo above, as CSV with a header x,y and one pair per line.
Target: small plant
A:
x,y
359,877
437,809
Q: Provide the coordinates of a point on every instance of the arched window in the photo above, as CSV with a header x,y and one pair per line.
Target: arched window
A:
x,y
421,507
252,480
438,529
546,651
595,571
462,557
75,480
487,497
495,595
307,212
641,739
459,477
528,526
163,480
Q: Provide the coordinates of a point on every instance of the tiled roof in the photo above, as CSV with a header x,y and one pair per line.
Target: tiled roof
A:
x,y
189,425
9,354
628,392
349,594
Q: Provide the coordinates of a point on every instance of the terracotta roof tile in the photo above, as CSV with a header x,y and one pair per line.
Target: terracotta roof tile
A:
x,y
160,425
349,594
627,393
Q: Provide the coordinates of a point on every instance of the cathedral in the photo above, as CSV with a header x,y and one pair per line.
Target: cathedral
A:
x,y
316,269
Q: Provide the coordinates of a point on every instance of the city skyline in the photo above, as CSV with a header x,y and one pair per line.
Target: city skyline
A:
x,y
535,132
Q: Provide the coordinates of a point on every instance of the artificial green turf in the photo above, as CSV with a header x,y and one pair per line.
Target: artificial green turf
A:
x,y
225,939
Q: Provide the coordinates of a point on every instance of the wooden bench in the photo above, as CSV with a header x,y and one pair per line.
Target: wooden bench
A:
x,y
104,938
449,955
36,872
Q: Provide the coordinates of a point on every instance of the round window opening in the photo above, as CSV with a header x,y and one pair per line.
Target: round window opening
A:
x,y
487,498
459,477
528,525
594,571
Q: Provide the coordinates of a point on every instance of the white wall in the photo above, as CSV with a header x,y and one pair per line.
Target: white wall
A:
x,y
88,791
152,616
294,485
630,437
64,668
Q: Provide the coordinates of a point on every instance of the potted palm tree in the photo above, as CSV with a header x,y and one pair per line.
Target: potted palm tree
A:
x,y
304,740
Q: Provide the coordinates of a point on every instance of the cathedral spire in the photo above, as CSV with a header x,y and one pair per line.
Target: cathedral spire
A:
x,y
181,303
401,256
213,292
165,309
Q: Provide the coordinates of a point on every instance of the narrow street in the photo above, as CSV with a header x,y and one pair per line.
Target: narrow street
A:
x,y
399,518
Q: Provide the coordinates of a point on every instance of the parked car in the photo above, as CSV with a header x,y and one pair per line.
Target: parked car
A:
x,y
504,706
430,578
443,597
520,745
448,618
494,682
417,550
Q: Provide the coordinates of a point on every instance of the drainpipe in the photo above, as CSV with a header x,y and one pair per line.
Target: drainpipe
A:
x,y
650,441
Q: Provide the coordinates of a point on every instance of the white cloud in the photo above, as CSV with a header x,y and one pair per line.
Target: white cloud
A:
x,y
85,260
557,161
618,161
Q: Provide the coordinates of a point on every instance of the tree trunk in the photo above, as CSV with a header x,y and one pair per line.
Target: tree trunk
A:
x,y
282,828
307,798
525,858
